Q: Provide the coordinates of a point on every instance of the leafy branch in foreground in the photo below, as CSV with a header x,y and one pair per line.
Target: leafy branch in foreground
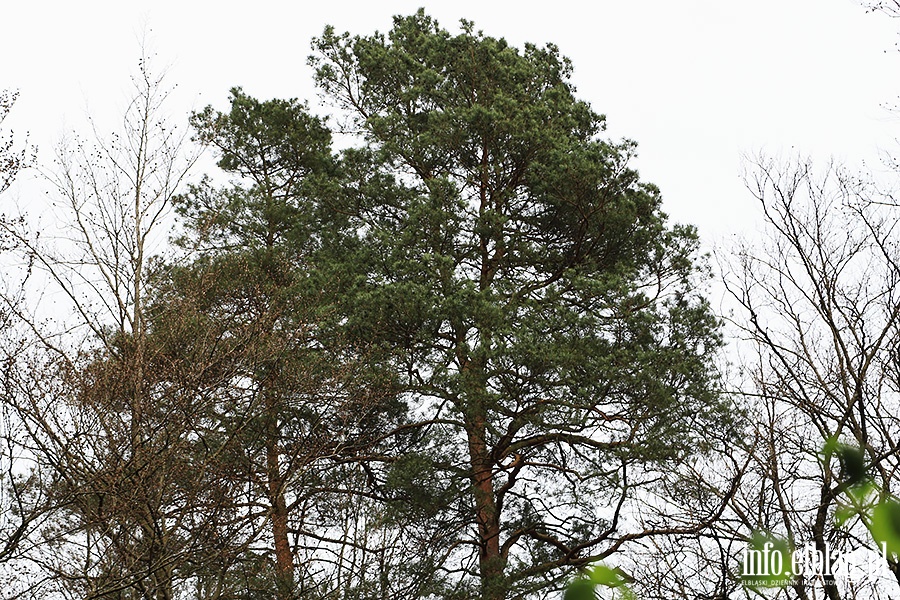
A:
x,y
584,586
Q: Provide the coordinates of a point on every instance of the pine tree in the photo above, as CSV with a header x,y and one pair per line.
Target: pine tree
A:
x,y
541,313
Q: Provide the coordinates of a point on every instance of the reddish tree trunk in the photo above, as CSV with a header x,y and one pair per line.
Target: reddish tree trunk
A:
x,y
491,562
284,559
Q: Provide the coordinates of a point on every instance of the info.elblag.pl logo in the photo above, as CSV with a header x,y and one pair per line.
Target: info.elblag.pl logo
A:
x,y
775,565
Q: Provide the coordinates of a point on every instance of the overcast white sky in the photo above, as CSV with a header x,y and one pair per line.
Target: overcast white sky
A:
x,y
695,82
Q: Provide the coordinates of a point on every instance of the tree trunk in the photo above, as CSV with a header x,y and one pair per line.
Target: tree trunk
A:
x,y
284,560
491,563
831,590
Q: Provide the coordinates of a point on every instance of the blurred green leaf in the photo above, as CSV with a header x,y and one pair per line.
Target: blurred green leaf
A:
x,y
853,464
852,459
862,491
830,447
580,589
844,514
885,525
603,575
583,587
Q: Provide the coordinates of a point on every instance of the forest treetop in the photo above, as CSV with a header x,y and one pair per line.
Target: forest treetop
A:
x,y
463,355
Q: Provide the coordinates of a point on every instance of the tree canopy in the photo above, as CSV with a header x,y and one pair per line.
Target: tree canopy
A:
x,y
542,315
461,354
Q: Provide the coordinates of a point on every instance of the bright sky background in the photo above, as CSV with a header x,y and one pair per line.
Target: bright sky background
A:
x,y
697,83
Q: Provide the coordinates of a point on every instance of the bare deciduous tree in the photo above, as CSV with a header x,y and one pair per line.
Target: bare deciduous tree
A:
x,y
820,307
11,159
111,423
888,7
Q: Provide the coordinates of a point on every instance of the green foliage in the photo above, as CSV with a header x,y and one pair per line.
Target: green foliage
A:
x,y
416,491
291,399
442,361
851,459
479,310
878,510
885,525
580,589
541,313
276,142
584,587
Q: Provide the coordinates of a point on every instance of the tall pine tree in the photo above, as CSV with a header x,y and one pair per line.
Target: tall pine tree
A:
x,y
540,310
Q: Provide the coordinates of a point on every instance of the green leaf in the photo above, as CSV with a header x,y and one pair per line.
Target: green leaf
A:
x,y
852,459
853,464
885,525
844,514
830,447
603,575
580,589
861,491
